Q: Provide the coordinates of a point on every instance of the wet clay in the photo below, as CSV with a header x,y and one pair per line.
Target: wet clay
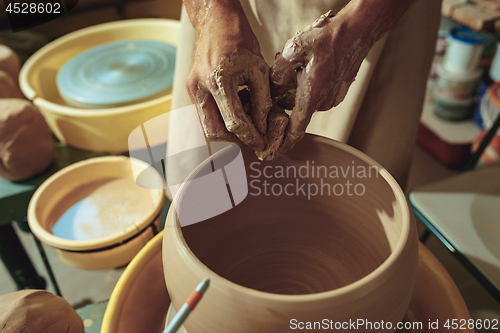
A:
x,y
7,85
295,46
276,126
247,67
26,145
38,311
100,209
9,62
243,67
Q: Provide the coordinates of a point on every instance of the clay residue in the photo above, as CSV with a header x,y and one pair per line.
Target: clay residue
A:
x,y
248,68
9,62
295,47
7,85
321,21
101,209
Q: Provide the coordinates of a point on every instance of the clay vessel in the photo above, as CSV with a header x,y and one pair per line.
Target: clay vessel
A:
x,y
291,259
73,183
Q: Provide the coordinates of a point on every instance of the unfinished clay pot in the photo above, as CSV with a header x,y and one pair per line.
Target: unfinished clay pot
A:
x,y
330,239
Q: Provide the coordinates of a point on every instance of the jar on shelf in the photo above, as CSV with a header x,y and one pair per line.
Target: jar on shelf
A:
x,y
457,86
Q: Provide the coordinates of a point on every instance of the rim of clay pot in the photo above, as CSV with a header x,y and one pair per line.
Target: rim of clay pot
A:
x,y
355,286
100,243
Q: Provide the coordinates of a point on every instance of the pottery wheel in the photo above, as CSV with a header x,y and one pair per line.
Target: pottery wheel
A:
x,y
117,73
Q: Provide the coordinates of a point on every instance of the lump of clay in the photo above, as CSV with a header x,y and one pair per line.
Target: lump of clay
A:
x,y
7,86
9,62
38,311
26,145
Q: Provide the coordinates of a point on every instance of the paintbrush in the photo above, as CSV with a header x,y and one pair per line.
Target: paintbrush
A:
x,y
187,307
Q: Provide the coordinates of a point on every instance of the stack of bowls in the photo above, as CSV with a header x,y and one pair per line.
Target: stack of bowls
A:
x,y
458,74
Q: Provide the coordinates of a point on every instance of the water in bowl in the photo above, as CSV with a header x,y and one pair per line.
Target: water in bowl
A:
x,y
101,209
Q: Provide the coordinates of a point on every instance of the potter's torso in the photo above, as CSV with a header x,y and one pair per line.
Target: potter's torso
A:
x,y
276,21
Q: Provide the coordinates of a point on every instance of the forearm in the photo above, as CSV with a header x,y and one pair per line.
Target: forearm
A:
x,y
201,12
371,19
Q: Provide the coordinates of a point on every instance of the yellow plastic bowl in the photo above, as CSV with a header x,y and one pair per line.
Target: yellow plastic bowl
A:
x,y
106,252
98,130
140,300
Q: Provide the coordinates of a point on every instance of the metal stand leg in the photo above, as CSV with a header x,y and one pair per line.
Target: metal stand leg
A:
x,y
425,236
47,266
17,262
23,225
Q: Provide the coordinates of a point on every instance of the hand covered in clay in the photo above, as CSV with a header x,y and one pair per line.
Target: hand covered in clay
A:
x,y
227,57
38,311
322,61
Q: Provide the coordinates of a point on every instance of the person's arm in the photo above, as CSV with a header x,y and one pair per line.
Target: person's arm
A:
x,y
227,56
324,59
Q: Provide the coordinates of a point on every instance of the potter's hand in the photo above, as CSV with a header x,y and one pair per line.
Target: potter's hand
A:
x,y
227,56
323,60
